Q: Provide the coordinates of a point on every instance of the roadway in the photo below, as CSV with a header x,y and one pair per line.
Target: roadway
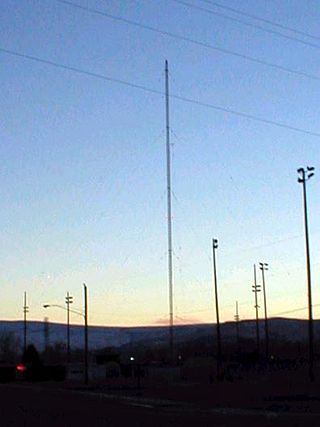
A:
x,y
39,405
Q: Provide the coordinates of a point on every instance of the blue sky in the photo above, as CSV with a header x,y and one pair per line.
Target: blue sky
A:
x,y
83,160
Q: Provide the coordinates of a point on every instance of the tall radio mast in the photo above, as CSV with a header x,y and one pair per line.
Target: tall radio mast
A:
x,y
170,268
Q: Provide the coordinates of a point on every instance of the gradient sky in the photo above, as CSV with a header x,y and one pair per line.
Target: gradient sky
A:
x,y
83,185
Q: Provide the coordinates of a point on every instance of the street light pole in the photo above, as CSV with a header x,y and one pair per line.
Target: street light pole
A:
x,y
219,352
263,268
69,300
86,376
85,316
256,289
304,176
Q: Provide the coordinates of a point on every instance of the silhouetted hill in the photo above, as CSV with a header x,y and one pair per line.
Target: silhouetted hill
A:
x,y
105,336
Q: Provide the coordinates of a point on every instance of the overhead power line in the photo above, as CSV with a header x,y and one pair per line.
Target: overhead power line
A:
x,y
294,310
159,92
258,18
247,24
192,41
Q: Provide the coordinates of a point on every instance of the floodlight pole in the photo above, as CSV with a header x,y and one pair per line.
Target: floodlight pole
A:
x,y
304,176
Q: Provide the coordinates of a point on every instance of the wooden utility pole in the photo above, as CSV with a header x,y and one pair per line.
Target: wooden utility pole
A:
x,y
236,318
46,332
69,300
25,311
263,268
219,351
86,374
256,289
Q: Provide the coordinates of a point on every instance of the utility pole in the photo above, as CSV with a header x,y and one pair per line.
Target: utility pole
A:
x,y
256,289
69,300
304,176
169,214
263,268
236,318
86,376
25,311
46,332
219,352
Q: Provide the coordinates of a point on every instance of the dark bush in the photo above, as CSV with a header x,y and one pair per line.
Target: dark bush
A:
x,y
7,374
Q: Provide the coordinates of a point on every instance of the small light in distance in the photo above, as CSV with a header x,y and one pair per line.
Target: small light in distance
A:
x,y
132,358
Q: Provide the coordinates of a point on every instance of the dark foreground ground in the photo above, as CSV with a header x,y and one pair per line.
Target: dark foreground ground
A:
x,y
41,405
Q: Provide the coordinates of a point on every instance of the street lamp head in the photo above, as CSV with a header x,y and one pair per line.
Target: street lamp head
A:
x,y
263,266
309,169
46,305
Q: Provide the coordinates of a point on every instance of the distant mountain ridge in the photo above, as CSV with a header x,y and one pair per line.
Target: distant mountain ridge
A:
x,y
294,330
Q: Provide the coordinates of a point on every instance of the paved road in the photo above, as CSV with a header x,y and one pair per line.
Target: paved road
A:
x,y
39,406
